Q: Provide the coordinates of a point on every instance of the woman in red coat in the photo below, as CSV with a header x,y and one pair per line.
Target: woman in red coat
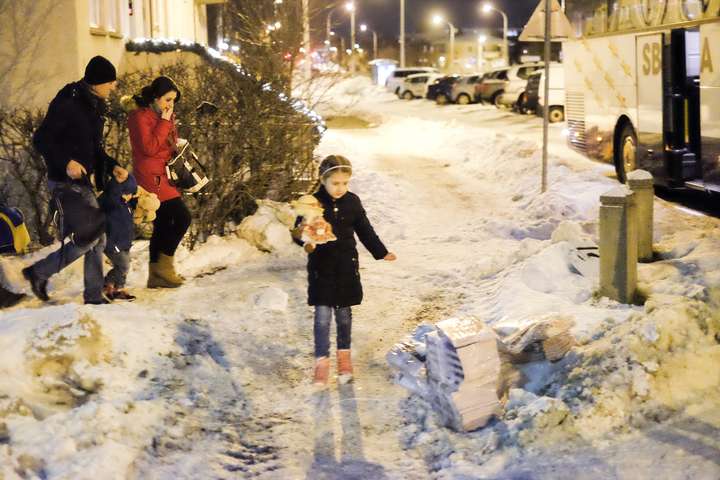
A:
x,y
153,138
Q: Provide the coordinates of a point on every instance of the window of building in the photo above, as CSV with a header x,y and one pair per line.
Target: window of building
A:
x,y
105,17
96,13
112,19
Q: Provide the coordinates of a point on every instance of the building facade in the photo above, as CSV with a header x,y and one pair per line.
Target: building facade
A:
x,y
47,43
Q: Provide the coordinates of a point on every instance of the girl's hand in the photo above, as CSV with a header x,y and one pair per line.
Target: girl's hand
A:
x,y
167,113
309,247
390,257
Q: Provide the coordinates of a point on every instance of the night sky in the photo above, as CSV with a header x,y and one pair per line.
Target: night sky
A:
x,y
384,15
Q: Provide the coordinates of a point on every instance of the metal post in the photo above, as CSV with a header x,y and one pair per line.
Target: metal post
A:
x,y
328,25
375,45
352,41
451,57
402,33
306,38
506,50
546,107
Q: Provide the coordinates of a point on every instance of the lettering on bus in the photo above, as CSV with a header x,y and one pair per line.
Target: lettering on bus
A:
x,y
632,14
706,63
712,8
652,62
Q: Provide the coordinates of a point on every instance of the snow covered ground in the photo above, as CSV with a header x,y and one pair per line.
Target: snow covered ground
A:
x,y
213,380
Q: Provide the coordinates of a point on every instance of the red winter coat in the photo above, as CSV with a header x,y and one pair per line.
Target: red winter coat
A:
x,y
153,144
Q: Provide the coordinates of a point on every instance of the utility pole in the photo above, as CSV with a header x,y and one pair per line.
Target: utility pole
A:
x,y
353,67
402,33
306,38
546,107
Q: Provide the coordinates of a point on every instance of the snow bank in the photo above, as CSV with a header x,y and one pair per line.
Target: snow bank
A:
x,y
72,402
268,229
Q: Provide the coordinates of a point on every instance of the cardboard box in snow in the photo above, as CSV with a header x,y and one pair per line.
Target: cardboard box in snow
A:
x,y
463,368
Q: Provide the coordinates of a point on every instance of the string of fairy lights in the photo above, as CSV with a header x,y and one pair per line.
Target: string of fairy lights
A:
x,y
161,45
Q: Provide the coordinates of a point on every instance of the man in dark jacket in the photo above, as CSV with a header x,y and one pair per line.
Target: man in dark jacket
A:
x,y
70,139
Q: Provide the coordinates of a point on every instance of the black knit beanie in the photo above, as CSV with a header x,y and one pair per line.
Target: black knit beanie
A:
x,y
99,70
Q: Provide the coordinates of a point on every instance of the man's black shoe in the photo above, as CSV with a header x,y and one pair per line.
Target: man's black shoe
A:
x,y
8,298
102,301
38,285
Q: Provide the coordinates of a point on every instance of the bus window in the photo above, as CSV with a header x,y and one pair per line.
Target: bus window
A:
x,y
692,52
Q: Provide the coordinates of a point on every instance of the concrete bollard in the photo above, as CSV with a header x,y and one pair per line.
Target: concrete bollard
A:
x,y
641,182
618,245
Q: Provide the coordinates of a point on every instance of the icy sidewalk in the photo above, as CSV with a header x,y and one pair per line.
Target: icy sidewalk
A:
x,y
644,376
212,380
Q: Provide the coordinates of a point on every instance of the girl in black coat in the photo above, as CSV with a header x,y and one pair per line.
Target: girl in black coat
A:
x,y
333,270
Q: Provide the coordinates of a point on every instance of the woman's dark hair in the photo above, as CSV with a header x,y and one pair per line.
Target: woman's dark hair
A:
x,y
159,87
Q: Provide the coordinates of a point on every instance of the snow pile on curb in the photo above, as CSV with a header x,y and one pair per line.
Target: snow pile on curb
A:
x,y
76,403
268,228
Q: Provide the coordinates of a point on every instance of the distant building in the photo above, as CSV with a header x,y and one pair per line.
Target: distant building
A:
x,y
476,50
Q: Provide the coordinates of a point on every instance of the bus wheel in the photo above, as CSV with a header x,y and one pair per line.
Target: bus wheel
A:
x,y
626,152
556,114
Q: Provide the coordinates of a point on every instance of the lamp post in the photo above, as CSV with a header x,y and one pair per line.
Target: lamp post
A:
x,y
481,52
402,33
350,7
487,8
364,28
328,25
439,20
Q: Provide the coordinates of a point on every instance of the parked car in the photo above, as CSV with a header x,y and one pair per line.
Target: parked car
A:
x,y
463,91
441,89
557,93
535,93
396,78
491,83
514,86
416,85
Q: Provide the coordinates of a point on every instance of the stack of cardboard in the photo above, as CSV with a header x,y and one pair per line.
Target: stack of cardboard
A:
x,y
463,369
549,335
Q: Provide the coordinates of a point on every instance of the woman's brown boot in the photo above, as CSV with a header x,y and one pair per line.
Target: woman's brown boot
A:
x,y
322,371
161,274
345,369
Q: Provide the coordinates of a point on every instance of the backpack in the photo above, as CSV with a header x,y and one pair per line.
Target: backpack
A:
x,y
14,236
75,217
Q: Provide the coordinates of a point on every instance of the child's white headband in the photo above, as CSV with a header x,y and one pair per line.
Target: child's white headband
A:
x,y
336,168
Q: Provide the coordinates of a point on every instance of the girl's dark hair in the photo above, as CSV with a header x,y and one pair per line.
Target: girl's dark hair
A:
x,y
330,165
159,87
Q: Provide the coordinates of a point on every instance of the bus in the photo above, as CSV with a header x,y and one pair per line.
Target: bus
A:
x,y
642,82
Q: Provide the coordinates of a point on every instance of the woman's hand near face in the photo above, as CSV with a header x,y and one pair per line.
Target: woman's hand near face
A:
x,y
167,112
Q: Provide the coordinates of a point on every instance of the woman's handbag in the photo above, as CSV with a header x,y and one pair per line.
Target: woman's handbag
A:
x,y
182,174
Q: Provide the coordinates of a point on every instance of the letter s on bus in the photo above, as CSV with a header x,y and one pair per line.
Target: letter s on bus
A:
x,y
646,59
706,64
652,62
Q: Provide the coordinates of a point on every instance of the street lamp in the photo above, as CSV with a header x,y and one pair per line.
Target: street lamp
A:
x,y
481,52
487,8
350,7
439,20
364,28
402,33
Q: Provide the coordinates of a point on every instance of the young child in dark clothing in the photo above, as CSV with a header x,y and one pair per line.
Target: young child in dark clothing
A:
x,y
118,203
333,269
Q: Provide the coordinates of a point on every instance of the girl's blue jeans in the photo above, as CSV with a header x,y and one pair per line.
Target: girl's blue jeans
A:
x,y
343,321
